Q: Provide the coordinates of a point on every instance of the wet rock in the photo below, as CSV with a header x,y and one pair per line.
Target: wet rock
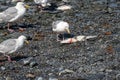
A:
x,y
27,61
66,71
117,77
113,5
39,78
9,78
30,75
96,76
2,68
52,78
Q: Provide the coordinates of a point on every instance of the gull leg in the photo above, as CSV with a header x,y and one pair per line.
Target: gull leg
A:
x,y
9,58
10,30
58,37
63,37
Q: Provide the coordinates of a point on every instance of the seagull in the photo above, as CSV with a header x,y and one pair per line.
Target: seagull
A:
x,y
13,13
60,27
12,45
42,3
17,0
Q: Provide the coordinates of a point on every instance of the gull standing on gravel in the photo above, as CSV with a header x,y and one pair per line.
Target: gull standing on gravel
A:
x,y
12,45
60,27
13,13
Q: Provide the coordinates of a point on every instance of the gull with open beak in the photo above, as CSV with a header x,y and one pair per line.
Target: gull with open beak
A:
x,y
60,27
13,14
12,45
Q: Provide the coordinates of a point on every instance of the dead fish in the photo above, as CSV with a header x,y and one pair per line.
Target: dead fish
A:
x,y
77,38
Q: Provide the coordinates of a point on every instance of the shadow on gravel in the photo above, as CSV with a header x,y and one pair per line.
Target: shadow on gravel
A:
x,y
16,58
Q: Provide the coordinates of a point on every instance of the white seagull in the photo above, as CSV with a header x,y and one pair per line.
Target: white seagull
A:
x,y
12,45
60,27
13,13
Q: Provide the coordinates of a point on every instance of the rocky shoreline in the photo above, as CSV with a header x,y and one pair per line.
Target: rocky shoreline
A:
x,y
46,59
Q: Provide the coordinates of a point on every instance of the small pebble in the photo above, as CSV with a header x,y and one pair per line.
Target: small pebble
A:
x,y
33,63
8,78
52,78
66,71
30,75
39,78
3,68
27,61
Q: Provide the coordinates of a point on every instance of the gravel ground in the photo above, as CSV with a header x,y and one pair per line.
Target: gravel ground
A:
x,y
46,59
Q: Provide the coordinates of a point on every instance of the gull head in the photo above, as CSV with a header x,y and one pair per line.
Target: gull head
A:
x,y
21,4
66,27
67,30
23,38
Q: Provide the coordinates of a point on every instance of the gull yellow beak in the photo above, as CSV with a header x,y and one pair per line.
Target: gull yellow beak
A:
x,y
68,31
27,42
27,6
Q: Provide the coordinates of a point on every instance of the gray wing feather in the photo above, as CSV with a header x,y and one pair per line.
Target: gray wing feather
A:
x,y
8,45
8,14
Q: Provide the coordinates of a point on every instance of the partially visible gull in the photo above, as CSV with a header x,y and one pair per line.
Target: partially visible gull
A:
x,y
12,45
42,3
13,13
60,27
65,0
17,0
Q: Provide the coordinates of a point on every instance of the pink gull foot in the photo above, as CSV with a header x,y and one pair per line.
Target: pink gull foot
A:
x,y
9,59
11,30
